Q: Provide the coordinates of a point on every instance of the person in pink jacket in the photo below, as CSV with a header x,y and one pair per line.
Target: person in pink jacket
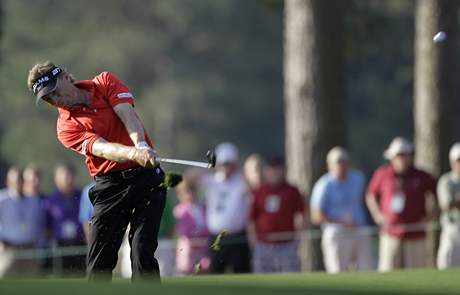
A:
x,y
191,228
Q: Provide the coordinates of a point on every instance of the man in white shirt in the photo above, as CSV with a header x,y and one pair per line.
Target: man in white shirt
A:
x,y
449,202
227,207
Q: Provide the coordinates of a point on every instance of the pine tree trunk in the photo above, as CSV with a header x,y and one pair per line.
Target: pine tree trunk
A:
x,y
313,90
435,83
314,86
435,93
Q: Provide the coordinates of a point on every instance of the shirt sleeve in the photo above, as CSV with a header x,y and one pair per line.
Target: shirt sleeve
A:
x,y
253,206
431,185
300,202
115,90
318,195
375,183
76,138
445,193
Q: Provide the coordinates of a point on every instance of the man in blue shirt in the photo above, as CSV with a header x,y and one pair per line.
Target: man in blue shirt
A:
x,y
86,209
21,226
337,203
62,209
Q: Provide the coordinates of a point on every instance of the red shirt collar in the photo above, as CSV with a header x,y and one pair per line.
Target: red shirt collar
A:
x,y
393,172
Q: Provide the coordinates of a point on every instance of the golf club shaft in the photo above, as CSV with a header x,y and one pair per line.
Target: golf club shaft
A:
x,y
185,162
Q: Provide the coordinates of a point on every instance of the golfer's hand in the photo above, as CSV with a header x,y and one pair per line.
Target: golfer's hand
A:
x,y
146,157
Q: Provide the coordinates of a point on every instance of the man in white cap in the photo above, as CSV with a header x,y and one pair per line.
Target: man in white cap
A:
x,y
449,201
396,198
337,203
227,209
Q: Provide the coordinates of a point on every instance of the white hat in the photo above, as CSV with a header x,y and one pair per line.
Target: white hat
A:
x,y
454,153
226,153
337,154
398,145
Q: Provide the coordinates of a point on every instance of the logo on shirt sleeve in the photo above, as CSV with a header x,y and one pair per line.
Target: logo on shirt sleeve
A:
x,y
83,147
125,95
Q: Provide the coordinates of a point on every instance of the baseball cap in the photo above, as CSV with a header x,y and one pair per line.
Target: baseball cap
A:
x,y
454,153
337,154
226,152
46,83
398,145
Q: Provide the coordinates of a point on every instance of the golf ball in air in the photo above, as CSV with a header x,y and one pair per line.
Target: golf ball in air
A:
x,y
439,37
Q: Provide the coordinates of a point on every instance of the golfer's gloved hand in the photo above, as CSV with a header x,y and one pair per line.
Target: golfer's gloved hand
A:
x,y
144,155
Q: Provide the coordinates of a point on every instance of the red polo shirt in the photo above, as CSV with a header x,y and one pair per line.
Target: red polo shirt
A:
x,y
273,211
386,186
78,127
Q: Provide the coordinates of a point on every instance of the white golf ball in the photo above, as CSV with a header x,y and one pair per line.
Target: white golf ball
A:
x,y
439,37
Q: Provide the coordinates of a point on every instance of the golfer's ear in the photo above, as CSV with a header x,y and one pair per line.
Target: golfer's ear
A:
x,y
66,76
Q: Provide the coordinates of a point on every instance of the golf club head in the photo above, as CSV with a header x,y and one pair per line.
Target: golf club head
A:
x,y
211,157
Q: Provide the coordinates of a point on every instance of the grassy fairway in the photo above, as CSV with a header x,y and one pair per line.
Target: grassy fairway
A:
x,y
404,282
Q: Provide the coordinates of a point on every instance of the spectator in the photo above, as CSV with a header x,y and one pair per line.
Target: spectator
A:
x,y
449,201
31,186
191,228
31,189
86,209
253,171
62,215
337,203
165,253
277,214
227,207
21,226
396,198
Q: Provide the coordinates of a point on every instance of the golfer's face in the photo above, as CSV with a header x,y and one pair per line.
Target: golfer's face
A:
x,y
64,93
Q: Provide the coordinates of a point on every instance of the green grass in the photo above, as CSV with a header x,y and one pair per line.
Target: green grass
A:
x,y
418,282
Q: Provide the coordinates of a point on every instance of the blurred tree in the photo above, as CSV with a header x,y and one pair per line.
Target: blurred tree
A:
x,y
314,90
314,86
435,91
435,83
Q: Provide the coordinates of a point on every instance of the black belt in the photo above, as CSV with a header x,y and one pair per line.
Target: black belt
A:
x,y
122,174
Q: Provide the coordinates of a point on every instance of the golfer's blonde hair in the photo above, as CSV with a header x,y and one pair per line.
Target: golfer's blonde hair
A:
x,y
40,69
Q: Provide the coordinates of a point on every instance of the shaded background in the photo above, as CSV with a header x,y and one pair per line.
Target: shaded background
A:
x,y
202,71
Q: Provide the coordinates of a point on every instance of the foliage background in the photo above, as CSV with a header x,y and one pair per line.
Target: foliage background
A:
x,y
202,71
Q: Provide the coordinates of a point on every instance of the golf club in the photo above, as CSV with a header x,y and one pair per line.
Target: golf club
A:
x,y
210,157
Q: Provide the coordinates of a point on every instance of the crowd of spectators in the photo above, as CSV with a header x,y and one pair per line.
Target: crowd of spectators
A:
x,y
249,218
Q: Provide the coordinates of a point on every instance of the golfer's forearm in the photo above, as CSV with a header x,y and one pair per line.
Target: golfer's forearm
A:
x,y
131,121
135,130
112,151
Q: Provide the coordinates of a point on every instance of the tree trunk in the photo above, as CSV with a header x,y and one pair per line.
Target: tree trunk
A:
x,y
435,75
313,86
313,90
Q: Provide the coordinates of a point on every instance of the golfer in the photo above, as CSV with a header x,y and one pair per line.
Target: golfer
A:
x,y
97,119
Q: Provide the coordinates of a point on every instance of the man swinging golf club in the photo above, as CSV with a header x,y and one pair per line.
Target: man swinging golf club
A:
x,y
97,119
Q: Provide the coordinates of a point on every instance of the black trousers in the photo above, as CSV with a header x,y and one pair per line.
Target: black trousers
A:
x,y
119,199
234,252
